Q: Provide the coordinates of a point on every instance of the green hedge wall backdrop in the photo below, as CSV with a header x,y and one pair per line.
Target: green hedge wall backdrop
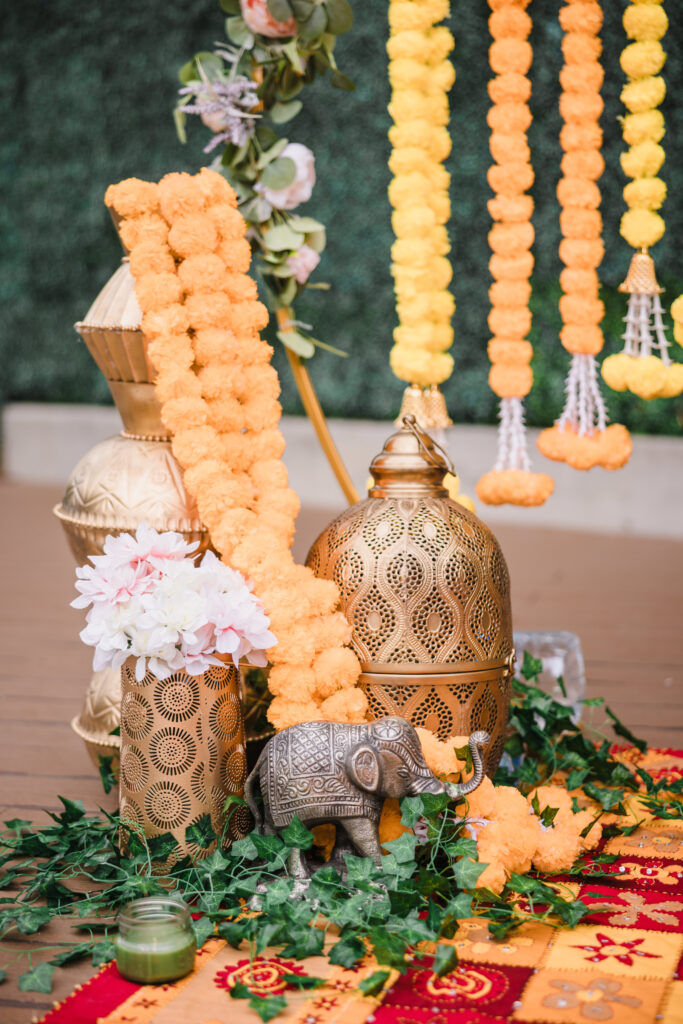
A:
x,y
87,96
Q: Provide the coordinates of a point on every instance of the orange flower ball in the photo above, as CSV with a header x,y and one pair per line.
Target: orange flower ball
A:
x,y
509,23
584,281
228,221
580,48
179,196
581,255
510,56
151,258
508,322
512,147
515,486
132,197
587,163
578,192
157,291
215,188
582,339
580,136
192,234
578,223
236,254
510,293
582,78
511,239
581,106
581,310
150,227
509,88
203,273
512,209
511,179
510,381
510,352
511,268
509,117
581,17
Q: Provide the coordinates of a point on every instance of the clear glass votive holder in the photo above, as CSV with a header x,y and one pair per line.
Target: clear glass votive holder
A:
x,y
561,656
155,942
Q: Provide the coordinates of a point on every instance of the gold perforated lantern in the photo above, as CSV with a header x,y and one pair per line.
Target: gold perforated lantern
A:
x,y
425,586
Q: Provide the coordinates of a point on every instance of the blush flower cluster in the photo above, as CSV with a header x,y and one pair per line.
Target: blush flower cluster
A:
x,y
149,601
219,399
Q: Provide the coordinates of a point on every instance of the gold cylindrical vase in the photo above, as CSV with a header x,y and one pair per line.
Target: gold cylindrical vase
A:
x,y
182,753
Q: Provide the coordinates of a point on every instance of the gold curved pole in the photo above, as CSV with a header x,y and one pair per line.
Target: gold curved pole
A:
x,y
316,415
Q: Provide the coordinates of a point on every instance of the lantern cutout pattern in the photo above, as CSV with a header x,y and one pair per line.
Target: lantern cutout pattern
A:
x,y
426,590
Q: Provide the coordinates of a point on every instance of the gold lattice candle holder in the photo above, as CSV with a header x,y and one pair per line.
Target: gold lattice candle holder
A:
x,y
182,752
425,586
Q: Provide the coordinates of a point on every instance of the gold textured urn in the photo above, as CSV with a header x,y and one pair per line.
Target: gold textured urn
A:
x,y
425,586
123,480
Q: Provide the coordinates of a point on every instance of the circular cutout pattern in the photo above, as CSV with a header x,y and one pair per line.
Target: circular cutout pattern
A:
x,y
198,784
225,716
167,805
172,750
216,678
177,698
240,823
136,715
234,770
130,811
134,769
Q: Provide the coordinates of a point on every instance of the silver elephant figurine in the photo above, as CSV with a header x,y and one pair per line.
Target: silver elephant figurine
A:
x,y
337,773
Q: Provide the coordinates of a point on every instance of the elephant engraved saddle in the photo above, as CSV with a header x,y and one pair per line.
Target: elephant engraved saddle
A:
x,y
307,771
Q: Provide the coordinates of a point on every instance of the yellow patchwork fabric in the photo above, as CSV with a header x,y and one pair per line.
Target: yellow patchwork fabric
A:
x,y
525,947
625,952
657,839
575,997
672,1011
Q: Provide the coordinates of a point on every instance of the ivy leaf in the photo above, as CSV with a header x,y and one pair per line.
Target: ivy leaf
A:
x,y
245,848
103,953
200,833
445,960
467,872
347,951
74,810
38,979
403,848
76,952
107,776
374,984
203,929
3,976
268,1007
620,729
576,777
303,981
464,753
531,667
17,825
608,799
306,941
296,835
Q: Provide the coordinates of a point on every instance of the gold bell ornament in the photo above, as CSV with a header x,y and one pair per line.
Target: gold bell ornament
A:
x,y
425,587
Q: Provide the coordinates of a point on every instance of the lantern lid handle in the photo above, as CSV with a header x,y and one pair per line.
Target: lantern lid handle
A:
x,y
433,452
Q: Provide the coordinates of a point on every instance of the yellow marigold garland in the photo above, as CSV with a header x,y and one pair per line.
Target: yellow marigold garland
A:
x,y
644,366
581,436
218,394
421,76
511,238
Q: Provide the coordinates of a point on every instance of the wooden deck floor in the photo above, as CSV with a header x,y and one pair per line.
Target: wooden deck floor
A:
x,y
621,595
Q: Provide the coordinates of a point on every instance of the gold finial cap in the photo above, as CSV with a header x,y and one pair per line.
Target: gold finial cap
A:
x,y
641,279
411,464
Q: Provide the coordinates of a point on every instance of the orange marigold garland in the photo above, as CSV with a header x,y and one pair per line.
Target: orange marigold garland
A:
x,y
644,366
511,238
219,398
581,437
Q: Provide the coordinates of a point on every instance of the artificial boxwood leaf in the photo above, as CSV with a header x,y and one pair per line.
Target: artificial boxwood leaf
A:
x,y
339,16
280,10
315,24
279,173
282,112
282,237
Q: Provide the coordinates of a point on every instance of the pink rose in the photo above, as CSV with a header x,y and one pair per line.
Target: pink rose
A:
x,y
304,179
259,20
303,263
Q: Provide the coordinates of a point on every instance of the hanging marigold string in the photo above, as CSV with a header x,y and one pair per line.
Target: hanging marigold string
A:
x,y
421,76
581,437
511,264
644,366
219,399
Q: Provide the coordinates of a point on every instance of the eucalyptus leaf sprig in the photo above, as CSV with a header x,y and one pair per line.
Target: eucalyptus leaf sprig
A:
x,y
254,159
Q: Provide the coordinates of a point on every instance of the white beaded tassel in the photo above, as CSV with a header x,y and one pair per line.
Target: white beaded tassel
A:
x,y
584,410
512,445
645,328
